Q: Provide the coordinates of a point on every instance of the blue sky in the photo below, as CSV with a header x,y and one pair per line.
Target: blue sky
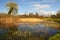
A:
x,y
44,7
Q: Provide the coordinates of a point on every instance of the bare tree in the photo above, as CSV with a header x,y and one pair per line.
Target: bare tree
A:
x,y
36,15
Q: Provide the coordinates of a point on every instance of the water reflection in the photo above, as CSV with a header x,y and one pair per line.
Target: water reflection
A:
x,y
26,32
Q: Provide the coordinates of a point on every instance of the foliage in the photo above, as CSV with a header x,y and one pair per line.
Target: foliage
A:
x,y
53,16
13,34
31,14
58,14
36,15
13,7
55,37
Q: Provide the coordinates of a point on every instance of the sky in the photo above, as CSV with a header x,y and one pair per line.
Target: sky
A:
x,y
45,7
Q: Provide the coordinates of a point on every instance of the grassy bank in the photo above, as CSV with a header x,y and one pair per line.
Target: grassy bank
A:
x,y
53,19
10,20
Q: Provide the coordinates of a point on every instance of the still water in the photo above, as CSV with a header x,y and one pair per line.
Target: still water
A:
x,y
37,28
21,29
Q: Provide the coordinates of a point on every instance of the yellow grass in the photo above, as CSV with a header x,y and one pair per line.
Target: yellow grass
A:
x,y
34,20
16,20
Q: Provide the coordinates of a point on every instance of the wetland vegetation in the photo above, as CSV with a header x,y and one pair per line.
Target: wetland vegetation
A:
x,y
28,27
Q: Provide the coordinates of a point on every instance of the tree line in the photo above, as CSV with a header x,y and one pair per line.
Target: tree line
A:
x,y
36,15
13,9
56,16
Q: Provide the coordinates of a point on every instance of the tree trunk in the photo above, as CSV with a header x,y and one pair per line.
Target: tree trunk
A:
x,y
10,11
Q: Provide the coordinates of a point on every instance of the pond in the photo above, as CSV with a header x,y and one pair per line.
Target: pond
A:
x,y
27,32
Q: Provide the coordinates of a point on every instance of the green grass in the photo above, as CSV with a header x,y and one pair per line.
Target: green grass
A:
x,y
53,19
55,37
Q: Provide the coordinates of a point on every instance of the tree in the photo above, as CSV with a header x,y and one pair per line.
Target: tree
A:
x,y
31,14
13,7
36,15
25,15
58,14
53,16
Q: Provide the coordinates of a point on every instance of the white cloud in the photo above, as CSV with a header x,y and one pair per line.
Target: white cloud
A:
x,y
44,9
40,6
47,13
